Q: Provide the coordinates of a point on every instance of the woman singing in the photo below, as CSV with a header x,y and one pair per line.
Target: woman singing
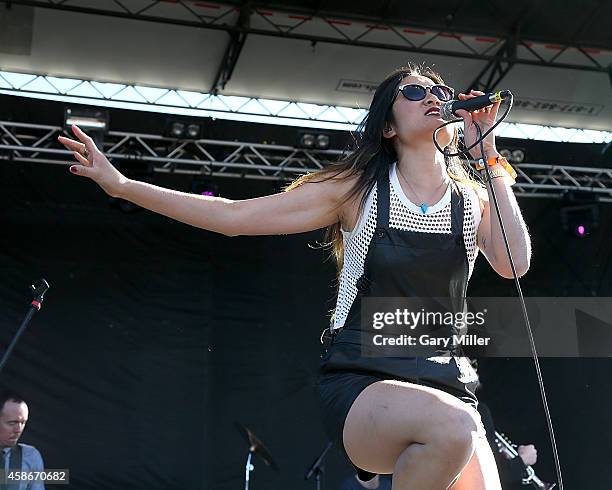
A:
x,y
405,220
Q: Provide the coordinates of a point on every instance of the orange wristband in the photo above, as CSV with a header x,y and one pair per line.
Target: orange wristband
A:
x,y
497,160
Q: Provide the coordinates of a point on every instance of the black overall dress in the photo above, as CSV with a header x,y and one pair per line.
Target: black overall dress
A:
x,y
398,264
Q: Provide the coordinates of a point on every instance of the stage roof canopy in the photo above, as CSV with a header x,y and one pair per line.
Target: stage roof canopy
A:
x,y
555,56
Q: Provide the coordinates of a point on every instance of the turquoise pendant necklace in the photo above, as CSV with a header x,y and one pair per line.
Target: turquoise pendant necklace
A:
x,y
424,207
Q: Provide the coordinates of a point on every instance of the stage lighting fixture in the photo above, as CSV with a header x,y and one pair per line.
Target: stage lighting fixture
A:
x,y
193,131
87,119
320,141
513,155
91,120
518,156
185,129
581,220
177,130
307,140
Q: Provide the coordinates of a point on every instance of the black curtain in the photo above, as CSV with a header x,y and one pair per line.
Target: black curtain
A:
x,y
156,338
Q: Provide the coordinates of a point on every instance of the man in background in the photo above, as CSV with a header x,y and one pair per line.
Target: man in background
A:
x,y
18,457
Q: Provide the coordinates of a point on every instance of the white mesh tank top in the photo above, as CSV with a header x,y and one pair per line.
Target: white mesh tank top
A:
x,y
403,215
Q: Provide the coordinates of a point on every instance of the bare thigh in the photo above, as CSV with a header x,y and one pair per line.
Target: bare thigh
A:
x,y
388,416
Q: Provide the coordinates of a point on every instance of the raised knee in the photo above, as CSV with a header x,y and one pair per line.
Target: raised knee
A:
x,y
456,433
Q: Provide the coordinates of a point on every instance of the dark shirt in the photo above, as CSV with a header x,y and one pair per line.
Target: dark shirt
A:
x,y
351,483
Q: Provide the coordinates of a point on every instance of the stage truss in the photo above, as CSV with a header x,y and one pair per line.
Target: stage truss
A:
x,y
252,109
156,153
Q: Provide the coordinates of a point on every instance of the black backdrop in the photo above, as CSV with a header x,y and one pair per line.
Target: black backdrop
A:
x,y
155,338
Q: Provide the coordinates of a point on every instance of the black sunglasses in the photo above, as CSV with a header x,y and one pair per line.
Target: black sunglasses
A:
x,y
414,91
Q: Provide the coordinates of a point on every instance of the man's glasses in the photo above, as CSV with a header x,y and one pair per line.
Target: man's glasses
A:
x,y
414,91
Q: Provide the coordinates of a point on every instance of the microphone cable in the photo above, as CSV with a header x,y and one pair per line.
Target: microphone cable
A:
x,y
479,142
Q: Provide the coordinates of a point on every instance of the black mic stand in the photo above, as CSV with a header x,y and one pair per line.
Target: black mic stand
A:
x,y
256,447
39,289
317,467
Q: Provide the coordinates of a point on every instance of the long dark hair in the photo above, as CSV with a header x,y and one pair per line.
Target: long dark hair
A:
x,y
371,154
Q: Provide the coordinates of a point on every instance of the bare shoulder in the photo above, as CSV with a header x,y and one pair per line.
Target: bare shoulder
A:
x,y
338,191
348,201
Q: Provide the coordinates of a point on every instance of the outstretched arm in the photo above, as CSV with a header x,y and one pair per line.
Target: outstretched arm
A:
x,y
308,207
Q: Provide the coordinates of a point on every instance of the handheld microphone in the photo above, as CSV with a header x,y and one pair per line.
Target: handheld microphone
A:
x,y
448,109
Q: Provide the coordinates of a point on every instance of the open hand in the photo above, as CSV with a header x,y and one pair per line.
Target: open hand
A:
x,y
92,163
484,117
528,454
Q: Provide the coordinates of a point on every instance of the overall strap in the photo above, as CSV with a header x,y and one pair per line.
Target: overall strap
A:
x,y
457,209
382,200
363,283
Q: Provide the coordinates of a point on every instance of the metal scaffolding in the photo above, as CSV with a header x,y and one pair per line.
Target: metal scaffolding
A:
x,y
37,143
242,108
341,29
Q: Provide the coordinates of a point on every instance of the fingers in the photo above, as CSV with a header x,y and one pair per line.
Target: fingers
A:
x,y
86,140
495,108
81,171
79,149
465,115
471,95
81,159
71,144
